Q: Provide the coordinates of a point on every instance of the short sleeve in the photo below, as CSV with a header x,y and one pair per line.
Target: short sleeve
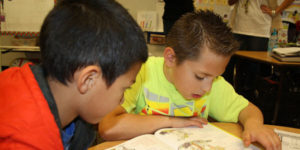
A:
x,y
131,95
224,103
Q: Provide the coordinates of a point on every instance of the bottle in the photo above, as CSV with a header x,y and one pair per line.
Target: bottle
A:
x,y
273,42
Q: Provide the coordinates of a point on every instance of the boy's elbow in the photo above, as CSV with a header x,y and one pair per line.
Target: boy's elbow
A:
x,y
110,128
110,131
106,134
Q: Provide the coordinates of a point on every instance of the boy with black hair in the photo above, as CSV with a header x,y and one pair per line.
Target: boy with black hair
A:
x,y
185,86
91,52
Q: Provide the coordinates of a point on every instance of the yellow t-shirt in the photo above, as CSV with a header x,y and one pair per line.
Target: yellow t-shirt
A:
x,y
153,94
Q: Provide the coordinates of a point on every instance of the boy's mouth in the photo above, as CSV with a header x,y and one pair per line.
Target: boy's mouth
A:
x,y
196,96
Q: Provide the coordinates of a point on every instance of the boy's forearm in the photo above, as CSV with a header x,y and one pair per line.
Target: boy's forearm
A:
x,y
126,126
250,116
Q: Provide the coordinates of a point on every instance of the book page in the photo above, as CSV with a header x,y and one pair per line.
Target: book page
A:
x,y
289,140
143,142
207,138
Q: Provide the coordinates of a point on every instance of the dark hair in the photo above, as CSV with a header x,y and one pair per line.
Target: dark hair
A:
x,y
78,33
194,31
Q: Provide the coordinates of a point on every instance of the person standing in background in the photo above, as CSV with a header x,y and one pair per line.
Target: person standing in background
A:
x,y
173,10
251,22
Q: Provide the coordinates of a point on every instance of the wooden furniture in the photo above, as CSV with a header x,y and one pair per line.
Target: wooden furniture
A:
x,y
6,49
263,57
232,128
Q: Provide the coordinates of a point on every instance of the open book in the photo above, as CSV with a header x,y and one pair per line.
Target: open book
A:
x,y
209,137
289,140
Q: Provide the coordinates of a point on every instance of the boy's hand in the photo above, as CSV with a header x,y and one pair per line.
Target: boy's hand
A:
x,y
263,135
178,122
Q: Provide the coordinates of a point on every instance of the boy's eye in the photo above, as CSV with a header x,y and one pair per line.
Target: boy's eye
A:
x,y
199,77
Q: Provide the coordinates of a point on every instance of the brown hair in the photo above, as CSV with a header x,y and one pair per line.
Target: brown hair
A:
x,y
196,30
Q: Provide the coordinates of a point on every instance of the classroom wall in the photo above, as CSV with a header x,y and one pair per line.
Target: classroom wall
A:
x,y
8,58
135,6
147,10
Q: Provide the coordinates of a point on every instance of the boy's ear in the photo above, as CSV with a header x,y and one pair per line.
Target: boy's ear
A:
x,y
169,56
88,77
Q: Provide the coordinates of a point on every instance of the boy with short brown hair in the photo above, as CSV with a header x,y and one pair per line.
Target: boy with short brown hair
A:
x,y
185,86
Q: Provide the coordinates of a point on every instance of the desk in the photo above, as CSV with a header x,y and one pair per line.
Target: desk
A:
x,y
233,128
262,57
5,49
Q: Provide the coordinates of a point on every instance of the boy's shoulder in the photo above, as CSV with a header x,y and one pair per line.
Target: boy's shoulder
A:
x,y
154,60
219,82
220,85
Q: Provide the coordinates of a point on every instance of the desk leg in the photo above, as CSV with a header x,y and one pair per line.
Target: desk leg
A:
x,y
279,93
235,70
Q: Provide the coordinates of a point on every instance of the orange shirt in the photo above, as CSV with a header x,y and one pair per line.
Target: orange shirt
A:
x,y
26,121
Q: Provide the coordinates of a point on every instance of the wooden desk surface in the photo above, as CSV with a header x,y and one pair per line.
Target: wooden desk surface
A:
x,y
262,56
233,128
